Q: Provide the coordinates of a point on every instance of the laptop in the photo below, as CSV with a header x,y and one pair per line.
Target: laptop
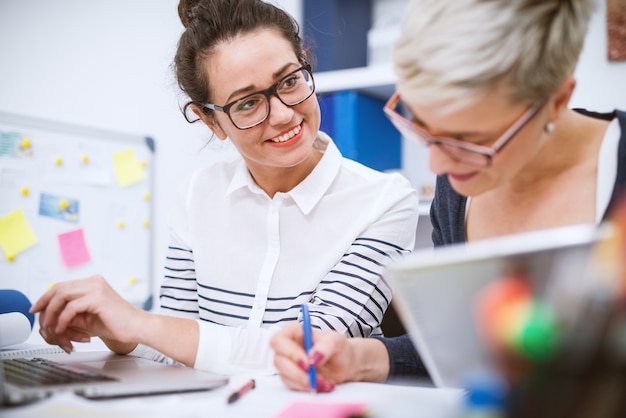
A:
x,y
98,375
435,291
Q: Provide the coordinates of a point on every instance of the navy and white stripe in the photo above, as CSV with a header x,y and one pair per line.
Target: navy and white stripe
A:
x,y
354,289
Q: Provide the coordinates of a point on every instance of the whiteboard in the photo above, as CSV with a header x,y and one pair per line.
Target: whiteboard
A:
x,y
74,201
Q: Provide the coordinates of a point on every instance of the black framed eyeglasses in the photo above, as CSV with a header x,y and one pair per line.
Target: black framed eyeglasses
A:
x,y
253,109
459,151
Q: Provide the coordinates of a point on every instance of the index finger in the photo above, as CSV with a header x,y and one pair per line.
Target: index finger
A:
x,y
43,301
288,342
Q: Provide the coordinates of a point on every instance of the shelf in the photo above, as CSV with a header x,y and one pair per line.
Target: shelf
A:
x,y
375,80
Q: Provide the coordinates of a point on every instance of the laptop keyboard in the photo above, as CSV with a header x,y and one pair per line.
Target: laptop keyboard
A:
x,y
40,372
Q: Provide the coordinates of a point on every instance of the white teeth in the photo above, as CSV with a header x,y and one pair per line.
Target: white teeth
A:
x,y
287,135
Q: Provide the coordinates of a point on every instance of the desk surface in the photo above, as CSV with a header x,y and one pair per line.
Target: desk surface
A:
x,y
265,401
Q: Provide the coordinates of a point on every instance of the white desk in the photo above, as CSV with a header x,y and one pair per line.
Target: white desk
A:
x,y
265,401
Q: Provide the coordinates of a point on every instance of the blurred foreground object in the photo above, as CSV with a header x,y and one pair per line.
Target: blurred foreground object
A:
x,y
562,350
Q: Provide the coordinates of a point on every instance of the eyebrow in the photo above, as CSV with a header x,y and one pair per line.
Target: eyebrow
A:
x,y
456,135
252,89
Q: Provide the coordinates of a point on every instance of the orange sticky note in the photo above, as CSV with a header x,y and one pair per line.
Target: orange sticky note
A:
x,y
73,247
127,168
15,233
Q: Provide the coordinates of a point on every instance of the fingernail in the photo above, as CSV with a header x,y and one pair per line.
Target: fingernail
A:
x,y
67,348
315,358
324,387
302,365
43,333
84,340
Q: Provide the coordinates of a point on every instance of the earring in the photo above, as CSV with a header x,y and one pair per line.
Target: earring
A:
x,y
549,128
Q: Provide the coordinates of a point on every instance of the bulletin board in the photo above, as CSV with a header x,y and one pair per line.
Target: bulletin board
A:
x,y
74,201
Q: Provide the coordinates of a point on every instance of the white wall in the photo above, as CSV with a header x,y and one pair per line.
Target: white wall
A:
x,y
106,64
601,84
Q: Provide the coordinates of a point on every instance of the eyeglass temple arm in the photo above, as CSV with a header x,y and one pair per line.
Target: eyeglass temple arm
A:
x,y
517,126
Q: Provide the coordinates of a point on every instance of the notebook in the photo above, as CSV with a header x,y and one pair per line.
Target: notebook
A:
x,y
435,291
117,376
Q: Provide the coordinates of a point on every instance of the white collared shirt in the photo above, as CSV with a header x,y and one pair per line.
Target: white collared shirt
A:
x,y
242,263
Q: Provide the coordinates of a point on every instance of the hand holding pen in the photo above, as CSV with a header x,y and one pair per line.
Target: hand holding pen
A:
x,y
308,344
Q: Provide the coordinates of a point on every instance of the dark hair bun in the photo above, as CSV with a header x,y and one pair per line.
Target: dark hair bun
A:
x,y
186,11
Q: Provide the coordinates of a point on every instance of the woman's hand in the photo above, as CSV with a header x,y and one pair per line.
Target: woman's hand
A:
x,y
79,309
336,358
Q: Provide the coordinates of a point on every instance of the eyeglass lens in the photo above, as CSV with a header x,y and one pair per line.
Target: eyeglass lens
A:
x,y
254,109
455,151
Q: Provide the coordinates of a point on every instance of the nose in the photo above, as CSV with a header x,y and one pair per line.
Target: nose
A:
x,y
279,112
438,161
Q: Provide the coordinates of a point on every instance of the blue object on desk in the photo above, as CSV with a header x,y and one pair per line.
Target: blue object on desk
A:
x,y
15,301
308,343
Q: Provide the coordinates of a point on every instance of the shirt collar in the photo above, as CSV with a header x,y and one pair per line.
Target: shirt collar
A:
x,y
242,178
311,190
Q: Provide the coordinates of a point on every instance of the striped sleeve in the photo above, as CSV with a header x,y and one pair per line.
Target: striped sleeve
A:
x,y
179,290
354,295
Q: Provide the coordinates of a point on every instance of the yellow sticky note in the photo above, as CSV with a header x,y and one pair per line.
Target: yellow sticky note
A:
x,y
84,159
133,280
58,161
25,143
127,168
25,191
15,233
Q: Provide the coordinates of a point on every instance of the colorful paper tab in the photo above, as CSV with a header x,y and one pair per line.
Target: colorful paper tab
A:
x,y
74,251
15,233
127,168
305,409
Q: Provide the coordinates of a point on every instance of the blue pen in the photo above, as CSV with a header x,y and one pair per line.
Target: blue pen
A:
x,y
308,343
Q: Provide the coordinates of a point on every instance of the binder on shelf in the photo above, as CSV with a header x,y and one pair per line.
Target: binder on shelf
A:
x,y
336,32
358,126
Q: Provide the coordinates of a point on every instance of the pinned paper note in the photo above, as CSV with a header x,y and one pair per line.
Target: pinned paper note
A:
x,y
12,144
128,169
15,234
73,247
58,207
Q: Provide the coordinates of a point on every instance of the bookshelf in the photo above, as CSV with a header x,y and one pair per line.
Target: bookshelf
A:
x,y
376,80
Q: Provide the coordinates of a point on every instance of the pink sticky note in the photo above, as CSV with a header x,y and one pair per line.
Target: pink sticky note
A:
x,y
73,247
305,409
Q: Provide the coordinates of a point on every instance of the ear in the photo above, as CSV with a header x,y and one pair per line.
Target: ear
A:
x,y
209,121
560,99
